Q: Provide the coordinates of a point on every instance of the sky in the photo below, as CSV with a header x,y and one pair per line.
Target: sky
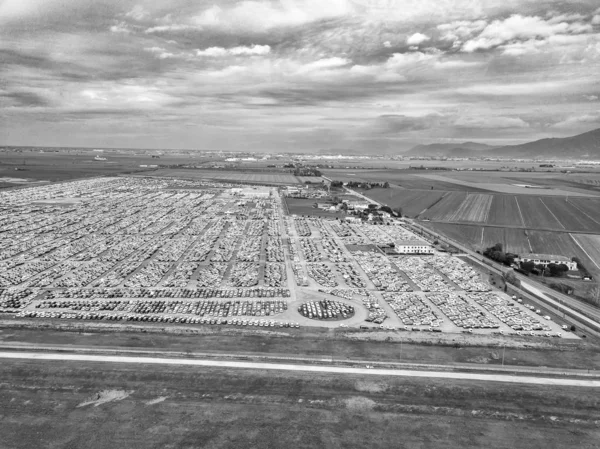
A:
x,y
296,75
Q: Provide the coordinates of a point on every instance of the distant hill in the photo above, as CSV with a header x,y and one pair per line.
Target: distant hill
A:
x,y
586,145
465,149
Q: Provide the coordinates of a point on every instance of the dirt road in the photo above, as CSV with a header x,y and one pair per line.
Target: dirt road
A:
x,y
306,368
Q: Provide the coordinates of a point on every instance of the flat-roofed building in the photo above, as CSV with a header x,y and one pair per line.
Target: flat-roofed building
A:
x,y
547,259
413,246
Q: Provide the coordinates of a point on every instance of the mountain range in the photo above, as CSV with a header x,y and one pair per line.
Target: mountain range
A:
x,y
583,146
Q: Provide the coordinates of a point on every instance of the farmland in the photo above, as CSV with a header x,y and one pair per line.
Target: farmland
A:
x,y
590,244
504,211
446,208
475,208
251,177
412,202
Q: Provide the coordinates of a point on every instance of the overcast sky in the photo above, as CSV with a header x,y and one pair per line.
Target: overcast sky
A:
x,y
296,74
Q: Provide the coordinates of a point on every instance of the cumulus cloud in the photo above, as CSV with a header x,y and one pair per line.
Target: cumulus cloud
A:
x,y
308,71
417,39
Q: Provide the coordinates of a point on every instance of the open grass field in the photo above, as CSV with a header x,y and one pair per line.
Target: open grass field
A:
x,y
95,406
446,208
412,202
226,175
504,211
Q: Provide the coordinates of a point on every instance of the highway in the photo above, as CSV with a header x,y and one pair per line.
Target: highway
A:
x,y
321,369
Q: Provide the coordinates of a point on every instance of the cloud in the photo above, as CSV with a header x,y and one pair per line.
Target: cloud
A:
x,y
235,51
520,27
579,121
496,122
417,39
263,16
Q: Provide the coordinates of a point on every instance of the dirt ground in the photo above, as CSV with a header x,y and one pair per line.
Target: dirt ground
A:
x,y
67,405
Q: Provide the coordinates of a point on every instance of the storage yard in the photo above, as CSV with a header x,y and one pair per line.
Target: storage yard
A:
x,y
201,252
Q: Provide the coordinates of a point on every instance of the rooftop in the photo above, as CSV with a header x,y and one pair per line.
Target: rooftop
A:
x,y
412,242
545,257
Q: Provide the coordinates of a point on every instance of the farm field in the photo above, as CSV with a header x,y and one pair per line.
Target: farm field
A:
x,y
516,241
560,243
491,236
233,176
69,164
504,211
446,208
591,246
495,182
589,207
469,235
406,179
474,208
310,179
412,202
537,215
479,238
570,215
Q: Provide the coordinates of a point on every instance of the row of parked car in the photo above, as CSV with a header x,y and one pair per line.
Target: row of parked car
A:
x,y
381,271
326,310
412,310
202,308
122,292
322,274
156,318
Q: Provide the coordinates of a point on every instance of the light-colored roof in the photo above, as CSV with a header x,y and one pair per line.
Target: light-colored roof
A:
x,y
412,242
545,257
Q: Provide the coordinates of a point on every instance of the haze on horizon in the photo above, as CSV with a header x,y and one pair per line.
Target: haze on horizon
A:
x,y
296,74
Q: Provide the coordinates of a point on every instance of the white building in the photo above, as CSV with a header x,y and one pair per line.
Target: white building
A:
x,y
547,259
414,246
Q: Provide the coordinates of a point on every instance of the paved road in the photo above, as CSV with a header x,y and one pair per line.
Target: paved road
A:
x,y
303,368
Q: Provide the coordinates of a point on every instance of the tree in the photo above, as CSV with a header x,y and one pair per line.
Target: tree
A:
x,y
372,206
595,295
386,185
528,266
511,278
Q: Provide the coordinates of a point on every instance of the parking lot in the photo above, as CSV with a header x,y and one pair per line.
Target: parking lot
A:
x,y
163,249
